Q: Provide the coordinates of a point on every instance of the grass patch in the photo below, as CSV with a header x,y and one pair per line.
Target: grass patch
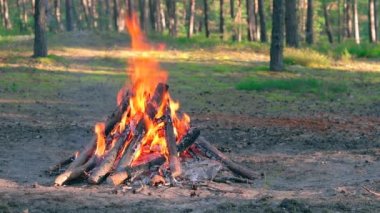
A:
x,y
305,57
52,59
295,85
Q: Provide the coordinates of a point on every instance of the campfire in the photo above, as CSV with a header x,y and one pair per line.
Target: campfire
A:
x,y
146,136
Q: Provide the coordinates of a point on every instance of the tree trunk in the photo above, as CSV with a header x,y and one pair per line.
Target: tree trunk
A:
x,y
152,14
348,19
191,13
232,14
57,14
93,13
327,22
5,12
372,21
356,21
86,12
205,11
143,15
221,19
339,22
116,4
309,22
277,44
171,6
251,20
40,38
237,22
107,21
263,31
291,23
158,18
69,15
23,15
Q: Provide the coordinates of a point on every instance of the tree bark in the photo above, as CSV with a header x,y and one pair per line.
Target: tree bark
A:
x,y
205,11
57,14
291,23
143,5
69,15
356,21
221,19
190,29
277,44
348,18
309,22
40,37
251,20
327,22
116,14
339,22
171,6
86,12
263,31
21,4
5,12
158,25
372,21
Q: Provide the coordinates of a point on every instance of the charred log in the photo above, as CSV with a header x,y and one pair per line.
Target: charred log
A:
x,y
174,162
106,165
75,172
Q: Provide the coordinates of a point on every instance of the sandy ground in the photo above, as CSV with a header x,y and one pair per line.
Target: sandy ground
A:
x,y
312,163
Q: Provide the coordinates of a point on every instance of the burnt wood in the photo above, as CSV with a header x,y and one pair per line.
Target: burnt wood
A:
x,y
99,172
75,172
174,162
212,152
124,173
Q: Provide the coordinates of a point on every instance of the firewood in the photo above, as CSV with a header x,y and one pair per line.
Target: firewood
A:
x,y
212,152
134,145
174,162
124,173
188,140
89,149
120,176
74,172
55,168
99,172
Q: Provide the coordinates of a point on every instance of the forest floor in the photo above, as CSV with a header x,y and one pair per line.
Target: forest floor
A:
x,y
317,143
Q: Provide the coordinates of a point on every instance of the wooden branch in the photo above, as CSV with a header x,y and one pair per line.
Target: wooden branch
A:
x,y
156,100
99,172
174,162
120,176
74,172
212,152
377,194
89,149
124,173
130,151
55,168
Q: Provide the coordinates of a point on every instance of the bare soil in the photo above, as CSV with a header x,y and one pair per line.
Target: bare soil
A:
x,y
309,163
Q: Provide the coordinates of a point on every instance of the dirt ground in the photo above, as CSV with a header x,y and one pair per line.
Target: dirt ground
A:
x,y
313,158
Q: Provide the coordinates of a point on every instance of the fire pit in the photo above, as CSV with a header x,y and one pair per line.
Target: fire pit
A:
x,y
145,137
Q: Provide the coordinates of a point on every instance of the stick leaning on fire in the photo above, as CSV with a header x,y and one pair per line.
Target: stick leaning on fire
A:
x,y
129,141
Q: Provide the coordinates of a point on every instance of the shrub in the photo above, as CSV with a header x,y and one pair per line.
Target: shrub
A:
x,y
305,57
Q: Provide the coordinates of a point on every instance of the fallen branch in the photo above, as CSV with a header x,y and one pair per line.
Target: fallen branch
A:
x,y
212,152
55,168
377,194
232,179
174,163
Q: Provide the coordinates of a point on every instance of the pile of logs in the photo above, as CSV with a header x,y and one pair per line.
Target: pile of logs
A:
x,y
116,165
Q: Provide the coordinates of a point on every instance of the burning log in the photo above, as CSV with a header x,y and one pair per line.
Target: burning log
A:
x,y
212,152
124,173
75,172
105,167
86,153
134,145
174,163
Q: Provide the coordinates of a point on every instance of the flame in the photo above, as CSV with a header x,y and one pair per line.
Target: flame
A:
x,y
100,139
144,75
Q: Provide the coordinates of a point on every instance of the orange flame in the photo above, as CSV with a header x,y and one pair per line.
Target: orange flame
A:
x,y
144,75
100,139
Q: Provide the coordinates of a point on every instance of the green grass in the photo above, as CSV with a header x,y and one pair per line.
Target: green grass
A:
x,y
306,58
294,85
340,51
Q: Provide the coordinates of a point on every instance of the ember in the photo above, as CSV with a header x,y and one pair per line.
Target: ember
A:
x,y
145,134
